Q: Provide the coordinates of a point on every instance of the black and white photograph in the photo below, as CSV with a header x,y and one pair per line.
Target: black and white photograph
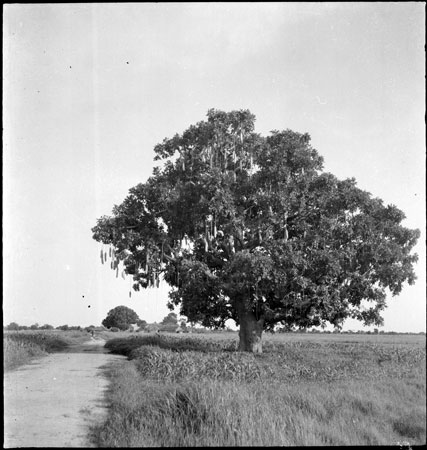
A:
x,y
214,224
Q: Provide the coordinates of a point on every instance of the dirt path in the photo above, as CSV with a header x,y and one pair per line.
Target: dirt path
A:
x,y
53,401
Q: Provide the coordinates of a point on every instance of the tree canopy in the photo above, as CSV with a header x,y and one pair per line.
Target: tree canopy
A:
x,y
171,318
120,317
251,228
13,326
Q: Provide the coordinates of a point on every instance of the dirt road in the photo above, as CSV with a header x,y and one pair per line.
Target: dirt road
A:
x,y
53,401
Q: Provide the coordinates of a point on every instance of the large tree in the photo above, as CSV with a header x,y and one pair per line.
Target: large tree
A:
x,y
250,228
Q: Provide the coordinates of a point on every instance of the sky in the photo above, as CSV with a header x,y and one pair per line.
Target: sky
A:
x,y
90,89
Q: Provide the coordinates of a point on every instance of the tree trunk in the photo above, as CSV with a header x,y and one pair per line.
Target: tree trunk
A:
x,y
250,333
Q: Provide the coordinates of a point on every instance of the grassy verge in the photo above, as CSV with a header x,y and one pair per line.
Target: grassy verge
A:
x,y
192,392
20,347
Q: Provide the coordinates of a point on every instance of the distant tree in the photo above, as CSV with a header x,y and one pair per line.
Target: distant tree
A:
x,y
46,327
251,228
13,326
120,317
63,327
170,319
35,326
169,323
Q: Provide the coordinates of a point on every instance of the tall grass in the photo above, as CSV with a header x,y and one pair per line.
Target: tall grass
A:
x,y
124,345
189,392
174,358
20,347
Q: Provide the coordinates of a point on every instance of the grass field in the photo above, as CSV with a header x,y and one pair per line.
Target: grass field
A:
x,y
305,389
20,347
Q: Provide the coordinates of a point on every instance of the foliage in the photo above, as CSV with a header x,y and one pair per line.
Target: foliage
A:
x,y
120,317
12,326
171,318
250,228
169,323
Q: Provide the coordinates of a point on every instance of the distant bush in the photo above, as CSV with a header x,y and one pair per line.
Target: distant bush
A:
x,y
13,326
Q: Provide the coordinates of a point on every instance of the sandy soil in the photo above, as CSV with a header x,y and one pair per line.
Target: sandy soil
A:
x,y
53,401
